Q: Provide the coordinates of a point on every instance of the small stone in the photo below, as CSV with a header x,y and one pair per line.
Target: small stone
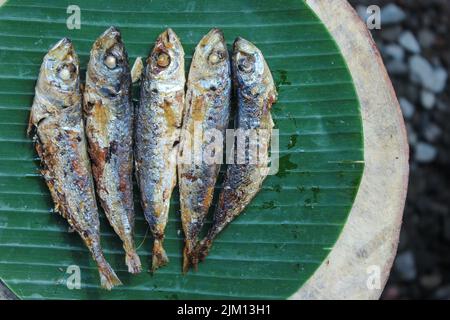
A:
x,y
394,51
391,14
422,72
397,67
426,38
425,152
406,266
428,99
439,80
432,132
409,42
407,107
421,69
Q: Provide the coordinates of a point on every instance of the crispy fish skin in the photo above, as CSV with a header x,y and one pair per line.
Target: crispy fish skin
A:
x,y
207,107
108,114
255,93
158,128
57,126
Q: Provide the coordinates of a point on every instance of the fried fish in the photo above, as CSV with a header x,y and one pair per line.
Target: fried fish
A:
x,y
57,128
158,128
207,110
108,113
255,94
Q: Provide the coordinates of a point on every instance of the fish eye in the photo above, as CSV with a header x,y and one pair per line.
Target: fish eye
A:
x,y
216,57
66,71
245,66
163,60
110,61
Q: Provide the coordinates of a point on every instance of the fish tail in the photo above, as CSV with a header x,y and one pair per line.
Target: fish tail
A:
x,y
132,261
203,248
159,257
189,256
108,277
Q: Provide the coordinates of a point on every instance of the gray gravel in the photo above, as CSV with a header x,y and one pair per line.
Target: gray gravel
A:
x,y
425,152
405,266
392,13
407,107
428,99
409,42
420,79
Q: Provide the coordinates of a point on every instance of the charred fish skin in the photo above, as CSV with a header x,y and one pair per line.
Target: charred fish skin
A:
x,y
58,131
207,108
108,114
255,93
158,127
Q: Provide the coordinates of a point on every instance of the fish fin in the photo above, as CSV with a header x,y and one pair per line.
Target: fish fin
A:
x,y
159,257
30,128
133,262
108,277
136,70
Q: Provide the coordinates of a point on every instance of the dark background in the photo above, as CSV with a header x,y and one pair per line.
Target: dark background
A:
x,y
414,39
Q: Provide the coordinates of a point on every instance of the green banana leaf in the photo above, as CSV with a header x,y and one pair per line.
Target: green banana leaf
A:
x,y
285,233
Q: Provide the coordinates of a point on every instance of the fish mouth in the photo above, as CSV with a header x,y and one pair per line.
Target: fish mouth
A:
x,y
212,45
109,38
213,38
248,61
169,40
63,50
244,46
166,54
111,32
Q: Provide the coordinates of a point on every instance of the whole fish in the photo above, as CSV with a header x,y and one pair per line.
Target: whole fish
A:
x,y
255,94
207,110
108,113
57,127
158,127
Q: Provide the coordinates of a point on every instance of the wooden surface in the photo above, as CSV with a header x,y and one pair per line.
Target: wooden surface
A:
x,y
370,237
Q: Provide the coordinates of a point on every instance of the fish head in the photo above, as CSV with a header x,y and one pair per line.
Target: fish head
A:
x,y
251,70
166,61
108,65
60,69
210,62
